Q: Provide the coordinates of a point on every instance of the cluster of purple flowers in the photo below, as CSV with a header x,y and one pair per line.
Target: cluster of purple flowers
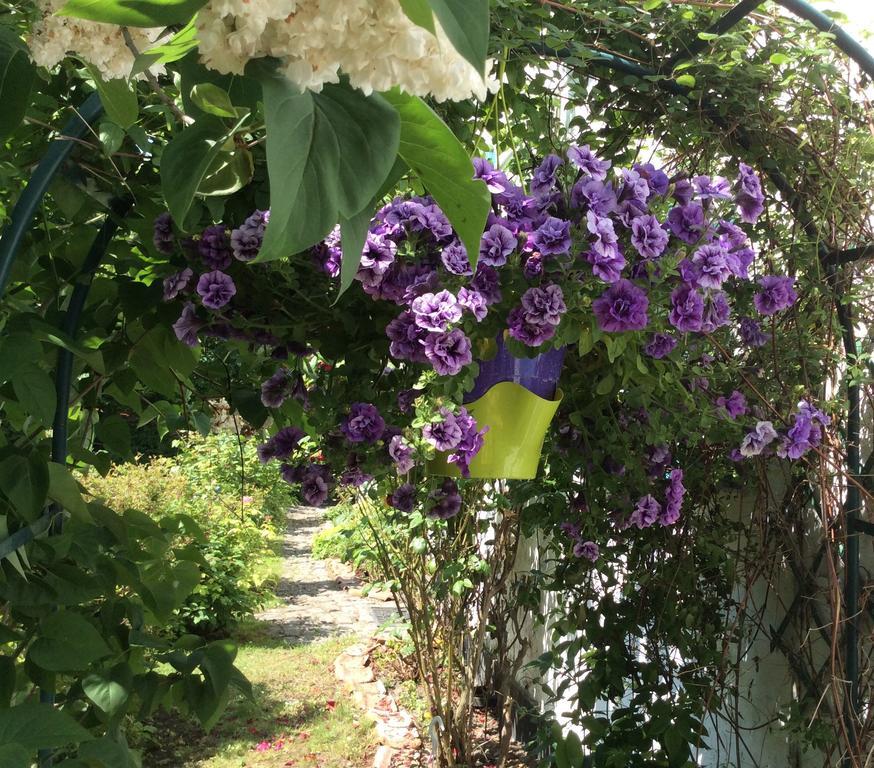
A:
x,y
804,435
445,500
648,511
315,481
582,547
456,433
282,385
540,312
364,424
281,445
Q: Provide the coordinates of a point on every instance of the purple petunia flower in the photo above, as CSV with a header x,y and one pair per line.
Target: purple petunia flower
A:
x,y
162,234
777,294
276,389
533,267
543,178
454,258
660,345
711,188
314,487
364,424
687,222
402,453
281,445
447,500
176,284
532,334
646,512
407,338
584,159
470,443
214,247
711,266
656,178
553,237
445,434
716,311
376,258
496,245
403,498
607,263
805,434
436,311
188,325
751,333
756,441
648,236
246,239
683,191
543,305
448,352
473,302
594,195
216,289
734,405
496,181
687,309
748,194
673,498
622,307
406,398
587,549
487,282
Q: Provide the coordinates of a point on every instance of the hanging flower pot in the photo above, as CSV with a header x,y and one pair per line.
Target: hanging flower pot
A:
x,y
516,398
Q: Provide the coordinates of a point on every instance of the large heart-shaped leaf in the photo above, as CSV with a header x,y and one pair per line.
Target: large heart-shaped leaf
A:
x,y
441,162
119,98
466,23
68,642
327,155
35,726
24,480
16,78
109,689
133,13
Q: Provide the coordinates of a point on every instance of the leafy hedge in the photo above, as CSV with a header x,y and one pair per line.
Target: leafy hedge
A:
x,y
236,512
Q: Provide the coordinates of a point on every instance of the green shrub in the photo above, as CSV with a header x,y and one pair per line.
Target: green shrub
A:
x,y
239,507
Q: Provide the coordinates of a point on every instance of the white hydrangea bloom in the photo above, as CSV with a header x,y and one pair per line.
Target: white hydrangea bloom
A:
x,y
372,42
102,45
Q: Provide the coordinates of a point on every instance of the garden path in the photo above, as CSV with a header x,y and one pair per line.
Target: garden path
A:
x,y
314,604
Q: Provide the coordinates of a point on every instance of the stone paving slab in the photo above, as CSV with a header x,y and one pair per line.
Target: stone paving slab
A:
x,y
314,604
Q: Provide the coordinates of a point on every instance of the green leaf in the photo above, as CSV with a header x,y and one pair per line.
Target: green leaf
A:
x,y
14,756
109,690
67,643
466,24
188,158
175,48
687,81
778,59
229,172
35,391
118,97
213,100
353,234
420,13
16,80
18,351
133,13
64,490
573,750
327,155
114,433
441,162
35,726
24,480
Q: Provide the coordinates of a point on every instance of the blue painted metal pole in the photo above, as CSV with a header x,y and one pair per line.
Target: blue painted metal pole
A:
x,y
23,213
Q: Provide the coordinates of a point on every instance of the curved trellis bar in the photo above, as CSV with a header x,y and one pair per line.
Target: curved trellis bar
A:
x,y
22,215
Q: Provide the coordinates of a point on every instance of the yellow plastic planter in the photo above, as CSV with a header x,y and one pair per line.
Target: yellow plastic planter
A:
x,y
517,420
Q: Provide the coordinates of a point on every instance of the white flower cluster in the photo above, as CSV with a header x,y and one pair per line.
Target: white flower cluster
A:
x,y
102,45
372,42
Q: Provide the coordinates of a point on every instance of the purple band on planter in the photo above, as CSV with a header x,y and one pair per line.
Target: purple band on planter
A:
x,y
537,374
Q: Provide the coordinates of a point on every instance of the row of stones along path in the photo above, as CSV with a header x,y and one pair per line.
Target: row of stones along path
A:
x,y
316,603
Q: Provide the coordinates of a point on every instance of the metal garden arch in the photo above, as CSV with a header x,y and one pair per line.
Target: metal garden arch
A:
x,y
80,124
